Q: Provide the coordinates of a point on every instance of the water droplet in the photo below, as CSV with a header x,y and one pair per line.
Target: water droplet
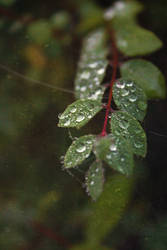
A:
x,y
85,75
93,65
83,88
137,145
124,92
81,149
100,71
113,147
80,118
132,98
120,85
142,105
108,157
123,124
129,84
92,183
67,123
73,110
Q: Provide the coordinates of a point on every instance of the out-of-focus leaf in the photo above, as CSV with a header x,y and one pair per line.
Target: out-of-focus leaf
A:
x,y
107,211
123,124
91,67
60,20
79,150
40,31
130,97
116,152
133,40
147,75
7,2
94,180
79,113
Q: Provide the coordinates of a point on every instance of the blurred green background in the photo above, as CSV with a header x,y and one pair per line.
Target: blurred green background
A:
x,y
43,207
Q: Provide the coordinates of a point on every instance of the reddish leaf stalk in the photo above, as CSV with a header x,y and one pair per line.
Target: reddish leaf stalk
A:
x,y
115,66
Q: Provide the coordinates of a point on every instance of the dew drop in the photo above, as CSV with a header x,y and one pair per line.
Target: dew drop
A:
x,y
132,98
120,85
67,123
124,92
113,147
100,71
80,118
73,110
81,149
85,75
137,145
129,84
92,183
83,88
93,65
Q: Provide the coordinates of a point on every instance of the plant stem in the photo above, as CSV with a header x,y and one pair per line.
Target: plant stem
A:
x,y
115,66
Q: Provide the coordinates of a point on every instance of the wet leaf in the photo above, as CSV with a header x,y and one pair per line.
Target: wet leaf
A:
x,y
147,75
91,67
130,97
79,113
109,208
79,150
116,152
123,124
95,179
133,40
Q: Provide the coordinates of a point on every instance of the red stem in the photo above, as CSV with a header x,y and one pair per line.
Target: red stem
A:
x,y
115,65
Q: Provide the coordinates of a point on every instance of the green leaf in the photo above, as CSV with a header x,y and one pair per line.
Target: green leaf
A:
x,y
95,179
132,40
147,75
79,150
123,9
109,208
130,97
91,67
79,113
123,124
116,152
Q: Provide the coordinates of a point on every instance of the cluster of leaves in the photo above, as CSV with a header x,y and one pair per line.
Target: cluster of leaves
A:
x,y
140,80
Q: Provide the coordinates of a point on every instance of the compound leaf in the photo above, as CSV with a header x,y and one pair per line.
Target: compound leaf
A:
x,y
91,67
130,97
116,152
123,124
79,150
79,113
95,179
147,75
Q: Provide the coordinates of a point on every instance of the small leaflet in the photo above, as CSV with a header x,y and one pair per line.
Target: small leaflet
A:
x,y
123,124
130,97
79,150
79,113
133,40
95,179
147,76
116,152
91,67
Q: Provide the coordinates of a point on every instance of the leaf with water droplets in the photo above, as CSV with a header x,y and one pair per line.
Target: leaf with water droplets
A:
x,y
91,67
79,150
147,76
133,40
79,113
130,97
95,179
123,124
116,152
